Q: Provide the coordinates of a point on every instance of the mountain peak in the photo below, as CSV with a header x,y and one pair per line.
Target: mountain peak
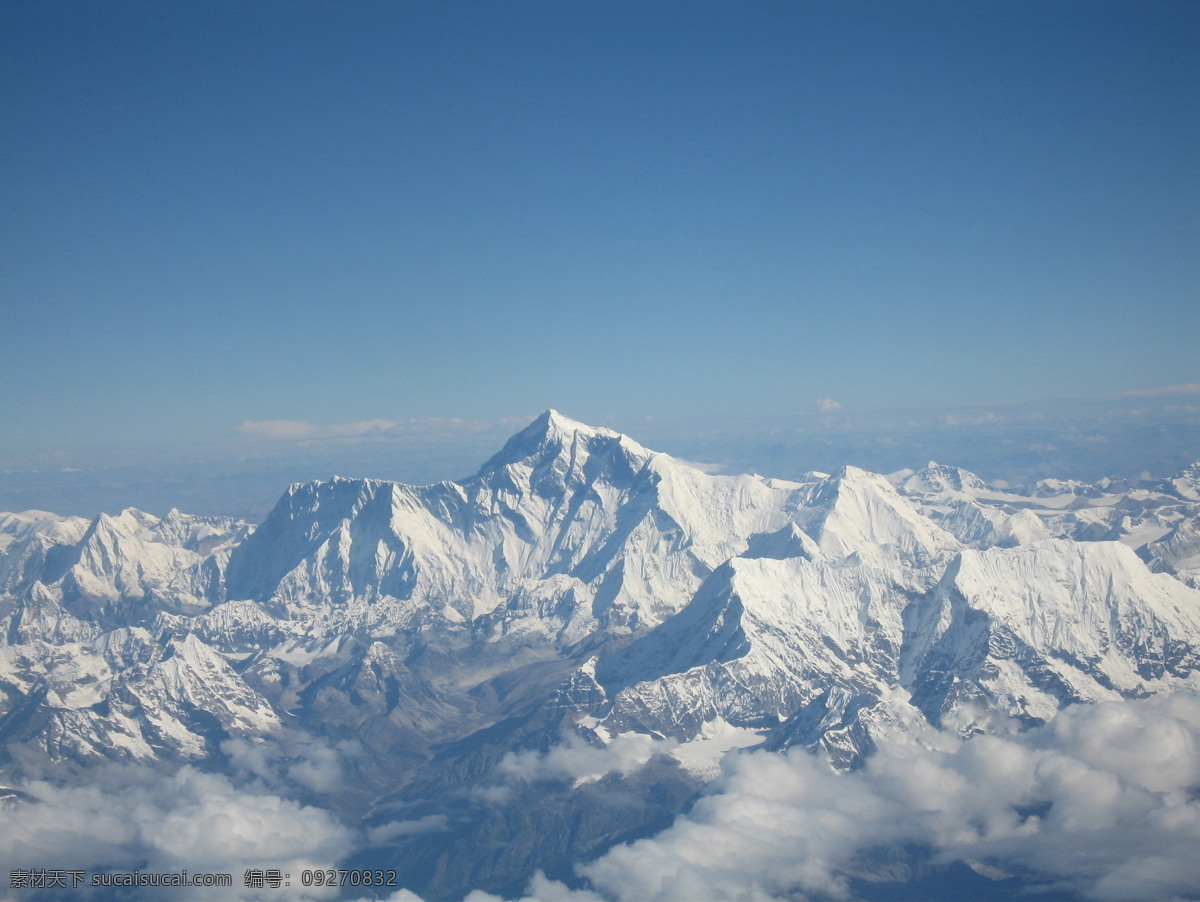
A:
x,y
554,424
550,432
937,479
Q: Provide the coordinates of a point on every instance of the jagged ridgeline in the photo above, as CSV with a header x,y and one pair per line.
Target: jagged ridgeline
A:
x,y
581,589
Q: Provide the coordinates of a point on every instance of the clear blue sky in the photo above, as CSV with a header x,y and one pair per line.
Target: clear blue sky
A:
x,y
339,211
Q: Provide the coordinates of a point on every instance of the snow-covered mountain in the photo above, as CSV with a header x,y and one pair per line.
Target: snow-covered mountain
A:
x,y
583,589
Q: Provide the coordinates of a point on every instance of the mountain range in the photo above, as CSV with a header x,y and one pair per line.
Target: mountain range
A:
x,y
492,662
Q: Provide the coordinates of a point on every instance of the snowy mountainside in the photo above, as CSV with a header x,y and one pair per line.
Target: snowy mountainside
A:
x,y
596,528
580,585
26,539
1159,519
1032,628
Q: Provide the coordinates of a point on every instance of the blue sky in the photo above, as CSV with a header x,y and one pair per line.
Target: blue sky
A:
x,y
331,213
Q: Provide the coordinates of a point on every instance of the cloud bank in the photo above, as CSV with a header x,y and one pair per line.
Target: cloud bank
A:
x,y
132,818
1190,389
1100,804
293,430
1103,803
425,430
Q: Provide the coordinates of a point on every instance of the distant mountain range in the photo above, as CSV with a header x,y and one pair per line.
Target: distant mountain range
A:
x,y
579,596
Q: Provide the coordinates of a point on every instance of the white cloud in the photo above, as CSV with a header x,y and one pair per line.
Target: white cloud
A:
x,y
709,468
491,795
402,895
828,405
540,889
135,818
580,762
291,760
781,823
431,823
297,430
1191,389
980,419
429,430
1101,802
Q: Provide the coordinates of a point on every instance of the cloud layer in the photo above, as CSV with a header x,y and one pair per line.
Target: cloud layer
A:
x,y
1100,803
426,430
293,430
132,818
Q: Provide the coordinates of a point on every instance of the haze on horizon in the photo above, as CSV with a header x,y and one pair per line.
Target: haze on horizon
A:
x,y
289,224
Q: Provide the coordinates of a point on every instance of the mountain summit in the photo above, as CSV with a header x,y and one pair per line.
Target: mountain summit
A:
x,y
549,436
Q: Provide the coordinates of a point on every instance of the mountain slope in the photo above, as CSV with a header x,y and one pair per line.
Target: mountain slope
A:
x,y
581,522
